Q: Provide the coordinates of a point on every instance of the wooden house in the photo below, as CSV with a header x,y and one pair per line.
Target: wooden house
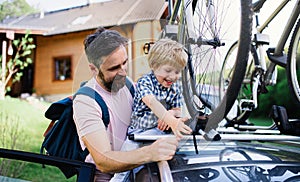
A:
x,y
59,60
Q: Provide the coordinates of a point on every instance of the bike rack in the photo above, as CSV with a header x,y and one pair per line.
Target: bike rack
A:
x,y
224,137
248,130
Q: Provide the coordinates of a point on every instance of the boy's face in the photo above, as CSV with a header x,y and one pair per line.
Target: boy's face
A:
x,y
166,75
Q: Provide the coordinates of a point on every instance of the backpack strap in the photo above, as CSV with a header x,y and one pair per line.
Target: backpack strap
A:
x,y
94,95
130,86
83,90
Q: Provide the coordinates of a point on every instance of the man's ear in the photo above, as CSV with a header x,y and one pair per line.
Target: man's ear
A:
x,y
94,69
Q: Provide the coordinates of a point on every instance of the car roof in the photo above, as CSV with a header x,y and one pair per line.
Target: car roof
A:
x,y
236,160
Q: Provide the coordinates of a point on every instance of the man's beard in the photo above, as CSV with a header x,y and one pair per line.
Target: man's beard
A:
x,y
113,85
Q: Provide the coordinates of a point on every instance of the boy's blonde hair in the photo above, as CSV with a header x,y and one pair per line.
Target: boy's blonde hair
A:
x,y
167,51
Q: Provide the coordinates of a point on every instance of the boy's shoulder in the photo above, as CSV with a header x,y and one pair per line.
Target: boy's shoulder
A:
x,y
145,78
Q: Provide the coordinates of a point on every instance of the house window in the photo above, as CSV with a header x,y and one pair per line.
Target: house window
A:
x,y
63,68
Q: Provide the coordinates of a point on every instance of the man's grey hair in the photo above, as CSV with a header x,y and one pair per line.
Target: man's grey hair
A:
x,y
102,43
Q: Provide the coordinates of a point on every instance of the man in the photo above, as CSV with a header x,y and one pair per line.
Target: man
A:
x,y
108,60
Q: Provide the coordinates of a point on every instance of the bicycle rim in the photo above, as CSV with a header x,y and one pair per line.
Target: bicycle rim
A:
x,y
293,64
237,114
200,79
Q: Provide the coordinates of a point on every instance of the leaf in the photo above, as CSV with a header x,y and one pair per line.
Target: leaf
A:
x,y
30,39
29,60
18,62
17,56
31,46
8,89
9,63
25,53
19,74
16,42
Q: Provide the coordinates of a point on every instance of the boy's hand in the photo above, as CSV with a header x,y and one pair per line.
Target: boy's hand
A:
x,y
162,125
178,127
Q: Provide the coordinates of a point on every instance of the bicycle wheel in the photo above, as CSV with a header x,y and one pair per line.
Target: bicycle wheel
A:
x,y
244,107
231,20
293,64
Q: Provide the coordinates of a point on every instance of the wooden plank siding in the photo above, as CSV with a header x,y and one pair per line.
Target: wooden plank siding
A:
x,y
57,46
71,44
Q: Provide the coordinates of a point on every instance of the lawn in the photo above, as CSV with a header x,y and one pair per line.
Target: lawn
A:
x,y
26,122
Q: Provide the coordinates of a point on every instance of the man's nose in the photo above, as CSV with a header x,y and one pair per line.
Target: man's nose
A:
x,y
123,70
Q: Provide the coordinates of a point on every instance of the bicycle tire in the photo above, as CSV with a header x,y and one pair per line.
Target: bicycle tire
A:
x,y
199,84
293,65
239,115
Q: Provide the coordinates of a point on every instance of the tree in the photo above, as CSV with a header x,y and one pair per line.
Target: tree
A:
x,y
16,64
15,8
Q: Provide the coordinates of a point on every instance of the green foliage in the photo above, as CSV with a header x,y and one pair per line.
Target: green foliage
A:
x,y
15,8
278,94
19,61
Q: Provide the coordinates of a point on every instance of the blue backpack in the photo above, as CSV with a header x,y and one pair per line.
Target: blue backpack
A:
x,y
61,138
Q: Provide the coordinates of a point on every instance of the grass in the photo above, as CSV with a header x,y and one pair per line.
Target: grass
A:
x,y
32,124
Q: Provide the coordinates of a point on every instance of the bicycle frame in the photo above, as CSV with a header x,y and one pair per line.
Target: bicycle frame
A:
x,y
276,55
181,31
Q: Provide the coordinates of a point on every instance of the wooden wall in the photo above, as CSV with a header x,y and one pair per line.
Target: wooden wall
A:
x,y
56,46
71,44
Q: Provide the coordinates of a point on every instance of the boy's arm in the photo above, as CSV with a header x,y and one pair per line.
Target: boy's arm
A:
x,y
177,124
176,112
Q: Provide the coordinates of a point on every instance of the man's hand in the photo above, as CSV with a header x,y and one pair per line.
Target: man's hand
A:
x,y
163,149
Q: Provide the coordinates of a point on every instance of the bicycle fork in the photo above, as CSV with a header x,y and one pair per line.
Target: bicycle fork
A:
x,y
261,77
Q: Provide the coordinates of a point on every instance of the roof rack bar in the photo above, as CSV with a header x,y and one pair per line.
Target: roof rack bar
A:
x,y
254,131
255,127
234,137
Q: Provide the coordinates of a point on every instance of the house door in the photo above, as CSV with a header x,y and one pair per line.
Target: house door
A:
x,y
25,85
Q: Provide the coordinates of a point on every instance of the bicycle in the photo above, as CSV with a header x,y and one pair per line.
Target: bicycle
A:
x,y
258,74
206,29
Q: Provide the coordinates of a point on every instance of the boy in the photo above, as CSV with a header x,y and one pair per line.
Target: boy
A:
x,y
158,99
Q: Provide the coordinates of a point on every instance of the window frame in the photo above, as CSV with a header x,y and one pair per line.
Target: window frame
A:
x,y
56,76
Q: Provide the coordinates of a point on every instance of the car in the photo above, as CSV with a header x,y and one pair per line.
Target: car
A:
x,y
236,157
85,171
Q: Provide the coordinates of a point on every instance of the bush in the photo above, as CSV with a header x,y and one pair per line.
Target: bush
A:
x,y
278,94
